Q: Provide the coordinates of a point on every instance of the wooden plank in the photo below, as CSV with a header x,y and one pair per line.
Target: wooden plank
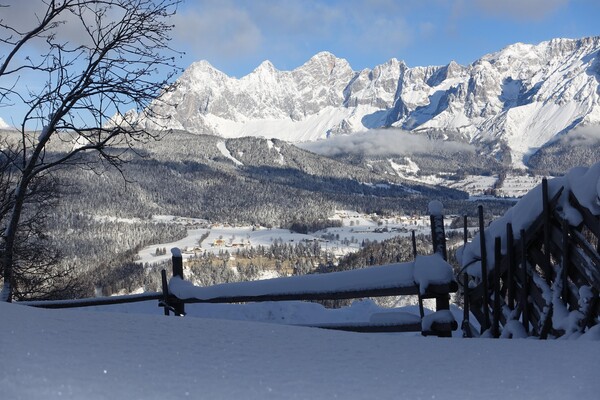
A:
x,y
414,244
591,257
589,220
565,261
531,233
165,292
465,230
177,261
496,276
510,246
538,258
580,263
466,325
485,324
547,323
546,265
525,283
477,312
593,310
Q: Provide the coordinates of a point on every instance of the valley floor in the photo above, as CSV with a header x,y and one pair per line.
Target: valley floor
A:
x,y
355,229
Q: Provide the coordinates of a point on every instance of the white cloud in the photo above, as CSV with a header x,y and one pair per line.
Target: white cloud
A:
x,y
384,142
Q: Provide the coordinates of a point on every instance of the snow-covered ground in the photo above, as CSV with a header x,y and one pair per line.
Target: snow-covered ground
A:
x,y
518,185
475,185
76,354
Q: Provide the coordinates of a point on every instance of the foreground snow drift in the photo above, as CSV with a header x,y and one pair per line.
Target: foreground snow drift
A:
x,y
85,355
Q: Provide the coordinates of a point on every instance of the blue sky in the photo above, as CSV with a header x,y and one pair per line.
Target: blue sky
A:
x,y
235,36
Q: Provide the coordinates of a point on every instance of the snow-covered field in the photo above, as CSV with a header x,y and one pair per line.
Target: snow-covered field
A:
x,y
475,185
518,185
75,354
355,229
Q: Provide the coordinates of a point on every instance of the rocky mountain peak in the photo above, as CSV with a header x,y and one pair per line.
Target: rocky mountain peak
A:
x,y
514,100
265,67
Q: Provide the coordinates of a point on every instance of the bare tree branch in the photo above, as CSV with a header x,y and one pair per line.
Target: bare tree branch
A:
x,y
120,61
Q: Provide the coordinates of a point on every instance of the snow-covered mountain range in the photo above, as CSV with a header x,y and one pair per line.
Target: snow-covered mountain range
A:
x,y
511,102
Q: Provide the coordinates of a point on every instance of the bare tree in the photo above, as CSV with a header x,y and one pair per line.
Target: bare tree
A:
x,y
98,58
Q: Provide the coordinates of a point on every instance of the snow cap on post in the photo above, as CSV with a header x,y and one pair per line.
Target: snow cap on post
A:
x,y
175,252
432,269
436,207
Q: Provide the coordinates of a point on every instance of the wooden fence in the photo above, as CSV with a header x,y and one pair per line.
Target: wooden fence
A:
x,y
440,292
552,268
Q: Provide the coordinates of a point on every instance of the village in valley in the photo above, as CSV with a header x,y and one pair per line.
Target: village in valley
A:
x,y
350,231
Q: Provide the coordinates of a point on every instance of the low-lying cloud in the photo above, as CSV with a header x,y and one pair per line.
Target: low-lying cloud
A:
x,y
384,142
582,136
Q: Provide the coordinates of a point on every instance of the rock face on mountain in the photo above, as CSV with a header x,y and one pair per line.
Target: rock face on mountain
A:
x,y
511,102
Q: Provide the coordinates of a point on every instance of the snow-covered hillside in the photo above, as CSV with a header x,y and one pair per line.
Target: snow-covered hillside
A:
x,y
68,354
521,97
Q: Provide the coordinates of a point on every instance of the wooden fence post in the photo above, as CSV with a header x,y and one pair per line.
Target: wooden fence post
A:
x,y
497,265
524,282
565,261
177,261
466,324
510,276
438,236
414,249
165,291
546,229
465,230
484,274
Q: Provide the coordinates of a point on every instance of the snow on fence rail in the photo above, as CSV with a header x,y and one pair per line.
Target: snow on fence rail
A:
x,y
427,275
539,264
